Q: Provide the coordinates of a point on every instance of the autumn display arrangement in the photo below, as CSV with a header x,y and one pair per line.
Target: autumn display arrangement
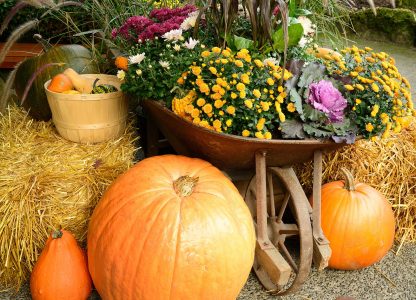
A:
x,y
175,227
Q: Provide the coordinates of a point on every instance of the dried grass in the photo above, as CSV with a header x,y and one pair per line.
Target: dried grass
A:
x,y
387,165
46,181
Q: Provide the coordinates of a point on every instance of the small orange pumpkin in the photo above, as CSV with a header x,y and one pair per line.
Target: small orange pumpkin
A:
x,y
358,222
61,271
60,83
172,227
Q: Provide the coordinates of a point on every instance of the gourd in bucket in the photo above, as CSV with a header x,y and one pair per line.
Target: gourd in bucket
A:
x,y
75,56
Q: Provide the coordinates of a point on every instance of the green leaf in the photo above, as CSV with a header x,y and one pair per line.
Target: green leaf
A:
x,y
292,8
302,12
295,34
292,129
242,43
314,115
316,132
311,73
297,100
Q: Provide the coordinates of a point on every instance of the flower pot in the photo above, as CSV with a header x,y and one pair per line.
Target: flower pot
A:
x,y
89,118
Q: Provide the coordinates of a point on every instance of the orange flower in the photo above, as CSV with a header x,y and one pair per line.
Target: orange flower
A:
x,y
122,63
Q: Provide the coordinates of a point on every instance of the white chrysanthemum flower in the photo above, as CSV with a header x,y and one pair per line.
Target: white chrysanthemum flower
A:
x,y
191,43
136,59
173,35
272,60
307,25
190,21
121,74
308,30
164,64
177,47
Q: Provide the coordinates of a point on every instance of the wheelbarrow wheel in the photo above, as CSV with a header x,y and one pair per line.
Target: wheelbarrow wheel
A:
x,y
287,216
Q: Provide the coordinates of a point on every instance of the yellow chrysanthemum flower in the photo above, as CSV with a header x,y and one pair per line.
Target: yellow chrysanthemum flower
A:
x,y
245,78
258,63
360,87
205,53
241,87
245,133
213,70
218,103
268,135
196,70
216,50
239,63
207,108
264,106
195,113
291,107
248,103
282,117
375,87
243,94
216,124
259,135
256,93
200,102
231,110
270,81
369,127
229,122
349,87
204,88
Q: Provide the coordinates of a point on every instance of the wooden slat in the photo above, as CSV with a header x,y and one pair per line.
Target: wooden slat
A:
x,y
19,52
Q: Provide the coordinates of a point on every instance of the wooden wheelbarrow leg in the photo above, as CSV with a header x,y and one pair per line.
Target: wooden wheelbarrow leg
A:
x,y
268,257
321,249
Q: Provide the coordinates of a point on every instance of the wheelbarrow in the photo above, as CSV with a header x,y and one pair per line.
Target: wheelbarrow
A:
x,y
262,171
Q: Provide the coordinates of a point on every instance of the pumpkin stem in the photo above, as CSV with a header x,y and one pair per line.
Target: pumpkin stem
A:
x,y
44,43
349,180
57,234
184,185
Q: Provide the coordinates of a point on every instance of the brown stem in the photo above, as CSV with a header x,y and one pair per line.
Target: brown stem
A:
x,y
184,185
349,180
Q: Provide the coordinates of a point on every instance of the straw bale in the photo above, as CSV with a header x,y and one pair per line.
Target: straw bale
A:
x,y
387,165
46,182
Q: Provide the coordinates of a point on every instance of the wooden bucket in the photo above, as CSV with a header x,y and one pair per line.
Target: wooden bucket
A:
x,y
89,118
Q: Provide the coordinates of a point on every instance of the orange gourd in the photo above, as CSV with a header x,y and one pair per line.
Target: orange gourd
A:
x,y
171,228
358,222
322,52
61,270
60,83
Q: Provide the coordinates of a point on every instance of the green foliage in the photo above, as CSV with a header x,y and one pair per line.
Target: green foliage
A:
x,y
397,25
331,18
48,27
308,121
157,74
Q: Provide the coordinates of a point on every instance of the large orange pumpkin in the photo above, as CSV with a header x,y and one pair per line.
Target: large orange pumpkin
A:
x,y
358,222
61,270
171,227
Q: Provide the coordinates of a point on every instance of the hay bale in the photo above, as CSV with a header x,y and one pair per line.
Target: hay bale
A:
x,y
387,165
45,182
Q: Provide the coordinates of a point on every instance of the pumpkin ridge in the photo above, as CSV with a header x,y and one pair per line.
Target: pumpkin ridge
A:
x,y
336,213
101,235
148,235
178,242
103,209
